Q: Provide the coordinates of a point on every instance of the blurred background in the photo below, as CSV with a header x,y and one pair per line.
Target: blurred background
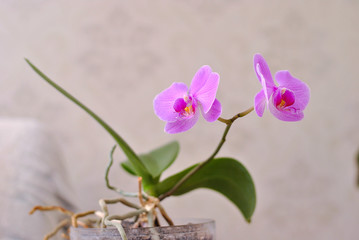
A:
x,y
115,56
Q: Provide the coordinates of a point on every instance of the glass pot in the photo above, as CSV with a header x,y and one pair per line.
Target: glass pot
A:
x,y
186,229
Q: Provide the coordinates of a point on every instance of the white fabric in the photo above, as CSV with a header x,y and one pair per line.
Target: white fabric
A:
x,y
32,173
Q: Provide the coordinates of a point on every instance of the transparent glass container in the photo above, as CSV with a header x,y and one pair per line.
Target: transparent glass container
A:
x,y
186,229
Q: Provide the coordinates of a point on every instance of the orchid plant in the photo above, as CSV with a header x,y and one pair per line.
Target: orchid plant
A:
x,y
180,107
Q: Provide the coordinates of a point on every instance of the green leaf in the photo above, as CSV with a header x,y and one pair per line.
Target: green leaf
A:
x,y
224,175
161,158
156,161
138,166
127,165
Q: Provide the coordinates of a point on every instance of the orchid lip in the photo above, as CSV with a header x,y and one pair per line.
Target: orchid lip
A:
x,y
184,107
179,105
283,98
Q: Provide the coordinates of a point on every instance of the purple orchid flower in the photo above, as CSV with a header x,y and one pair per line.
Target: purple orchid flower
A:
x,y
286,101
181,107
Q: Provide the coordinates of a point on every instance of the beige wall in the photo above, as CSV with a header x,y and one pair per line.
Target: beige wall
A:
x,y
117,55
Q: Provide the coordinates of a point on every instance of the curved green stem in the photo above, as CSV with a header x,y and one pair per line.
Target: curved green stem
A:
x,y
241,114
120,191
108,185
229,123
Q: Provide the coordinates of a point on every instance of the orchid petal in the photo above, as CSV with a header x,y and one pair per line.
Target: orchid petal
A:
x,y
200,79
164,102
260,101
289,114
214,112
182,124
300,89
263,73
207,94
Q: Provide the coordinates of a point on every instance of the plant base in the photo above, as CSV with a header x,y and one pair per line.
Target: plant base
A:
x,y
187,229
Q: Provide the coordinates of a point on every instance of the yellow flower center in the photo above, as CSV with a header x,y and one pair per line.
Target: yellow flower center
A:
x,y
282,103
189,110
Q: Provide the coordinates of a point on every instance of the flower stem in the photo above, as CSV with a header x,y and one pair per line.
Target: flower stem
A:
x,y
241,114
229,123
